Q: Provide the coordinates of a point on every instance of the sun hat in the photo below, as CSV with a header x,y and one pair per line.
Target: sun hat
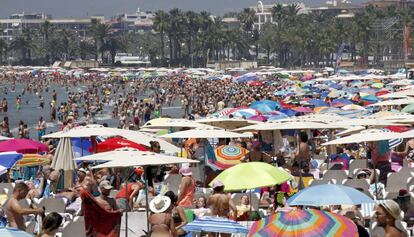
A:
x,y
186,171
105,185
159,204
217,184
392,208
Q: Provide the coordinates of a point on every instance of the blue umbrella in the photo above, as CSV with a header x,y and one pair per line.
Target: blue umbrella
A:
x,y
265,106
246,77
318,103
216,225
13,232
276,116
8,159
289,112
328,194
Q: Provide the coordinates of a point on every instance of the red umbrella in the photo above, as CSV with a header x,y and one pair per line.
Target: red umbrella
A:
x,y
303,109
23,146
118,142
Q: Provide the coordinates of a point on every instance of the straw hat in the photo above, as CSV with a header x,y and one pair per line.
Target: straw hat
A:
x,y
392,208
159,204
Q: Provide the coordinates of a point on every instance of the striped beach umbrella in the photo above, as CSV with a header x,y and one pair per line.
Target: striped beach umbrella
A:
x,y
215,225
228,156
32,160
304,223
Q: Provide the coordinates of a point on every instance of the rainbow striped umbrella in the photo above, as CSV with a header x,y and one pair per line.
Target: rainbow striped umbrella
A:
x,y
304,223
228,156
32,160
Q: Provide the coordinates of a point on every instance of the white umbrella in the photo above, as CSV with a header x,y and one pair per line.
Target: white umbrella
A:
x,y
174,123
63,160
145,139
288,125
128,157
227,123
350,130
368,135
205,133
408,134
84,131
404,101
365,122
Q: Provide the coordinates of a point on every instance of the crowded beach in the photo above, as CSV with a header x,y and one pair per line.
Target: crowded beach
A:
x,y
202,152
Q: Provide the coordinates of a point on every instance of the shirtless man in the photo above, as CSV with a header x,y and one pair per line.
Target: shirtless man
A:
x,y
15,212
220,203
106,202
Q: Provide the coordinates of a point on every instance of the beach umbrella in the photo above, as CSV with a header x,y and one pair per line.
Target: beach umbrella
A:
x,y
228,156
265,175
328,194
369,122
226,123
394,102
176,123
13,232
32,160
369,98
302,109
304,223
118,142
8,160
23,146
289,125
369,135
64,156
265,106
246,113
90,130
340,102
259,118
215,225
317,103
145,138
129,157
276,116
205,133
288,112
408,109
377,85
353,107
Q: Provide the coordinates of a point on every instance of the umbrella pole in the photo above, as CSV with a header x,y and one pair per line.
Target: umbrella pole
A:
x,y
147,204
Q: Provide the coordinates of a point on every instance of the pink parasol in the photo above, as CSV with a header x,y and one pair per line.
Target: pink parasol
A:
x,y
23,146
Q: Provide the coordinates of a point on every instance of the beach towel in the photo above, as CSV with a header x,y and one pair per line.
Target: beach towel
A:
x,y
98,221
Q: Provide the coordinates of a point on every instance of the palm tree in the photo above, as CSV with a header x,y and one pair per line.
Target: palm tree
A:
x,y
113,45
161,25
46,30
3,50
100,32
24,45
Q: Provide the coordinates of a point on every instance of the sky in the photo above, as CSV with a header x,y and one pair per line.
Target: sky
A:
x,y
82,8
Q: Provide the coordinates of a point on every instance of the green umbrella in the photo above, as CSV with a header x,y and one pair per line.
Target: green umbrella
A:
x,y
408,109
252,175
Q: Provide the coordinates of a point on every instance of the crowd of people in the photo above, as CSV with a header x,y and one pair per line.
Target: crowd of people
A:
x,y
135,102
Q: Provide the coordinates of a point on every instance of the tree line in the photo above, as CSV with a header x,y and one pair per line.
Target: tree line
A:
x,y
188,38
